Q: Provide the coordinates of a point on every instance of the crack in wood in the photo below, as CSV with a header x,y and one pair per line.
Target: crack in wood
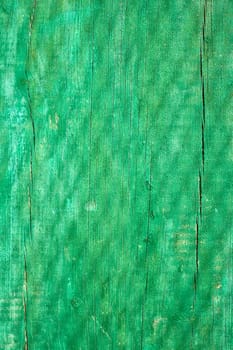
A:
x,y
31,22
25,297
147,240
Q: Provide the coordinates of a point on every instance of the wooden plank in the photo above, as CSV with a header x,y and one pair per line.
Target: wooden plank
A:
x,y
116,175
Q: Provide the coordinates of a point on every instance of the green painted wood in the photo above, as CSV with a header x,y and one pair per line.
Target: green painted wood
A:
x,y
116,174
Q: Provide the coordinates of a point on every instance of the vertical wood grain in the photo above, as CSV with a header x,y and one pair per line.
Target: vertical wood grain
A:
x,y
115,170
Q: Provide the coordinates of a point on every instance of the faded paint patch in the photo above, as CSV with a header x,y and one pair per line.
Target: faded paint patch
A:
x,y
91,206
53,122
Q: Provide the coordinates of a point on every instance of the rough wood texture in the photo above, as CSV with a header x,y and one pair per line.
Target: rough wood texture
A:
x,y
116,168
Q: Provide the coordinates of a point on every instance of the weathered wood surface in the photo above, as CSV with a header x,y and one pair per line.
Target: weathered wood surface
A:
x,y
116,174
